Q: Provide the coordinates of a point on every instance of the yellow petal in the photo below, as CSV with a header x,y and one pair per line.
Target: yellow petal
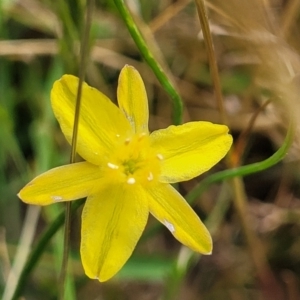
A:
x,y
171,209
132,99
64,183
112,222
190,149
100,122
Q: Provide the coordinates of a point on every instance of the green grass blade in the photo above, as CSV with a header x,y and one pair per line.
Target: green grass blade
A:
x,y
243,170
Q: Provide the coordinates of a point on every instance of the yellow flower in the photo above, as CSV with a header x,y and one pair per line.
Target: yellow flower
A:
x,y
127,172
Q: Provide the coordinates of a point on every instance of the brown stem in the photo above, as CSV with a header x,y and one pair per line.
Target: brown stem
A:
x,y
83,63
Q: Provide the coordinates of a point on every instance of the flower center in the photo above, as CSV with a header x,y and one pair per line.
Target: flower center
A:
x,y
130,166
134,161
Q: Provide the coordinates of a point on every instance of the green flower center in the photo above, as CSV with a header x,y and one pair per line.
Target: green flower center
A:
x,y
130,166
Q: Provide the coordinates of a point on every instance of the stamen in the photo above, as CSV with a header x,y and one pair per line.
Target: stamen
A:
x,y
112,166
131,180
127,141
150,176
143,134
159,156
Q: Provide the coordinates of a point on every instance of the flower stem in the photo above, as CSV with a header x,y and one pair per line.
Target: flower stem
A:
x,y
83,62
151,61
243,170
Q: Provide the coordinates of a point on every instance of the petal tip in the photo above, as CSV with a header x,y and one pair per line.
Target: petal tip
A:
x,y
129,67
104,278
19,195
206,249
99,275
100,279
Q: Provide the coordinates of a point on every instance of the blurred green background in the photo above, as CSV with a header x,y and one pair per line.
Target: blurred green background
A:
x,y
257,49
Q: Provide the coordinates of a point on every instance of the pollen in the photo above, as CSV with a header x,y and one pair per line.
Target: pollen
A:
x,y
159,156
112,166
131,180
150,176
142,135
135,161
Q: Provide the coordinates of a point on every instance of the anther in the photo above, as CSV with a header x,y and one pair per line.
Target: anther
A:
x,y
150,176
131,180
112,166
127,141
159,156
142,135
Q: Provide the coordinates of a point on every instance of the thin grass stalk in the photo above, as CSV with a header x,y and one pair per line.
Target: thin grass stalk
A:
x,y
266,279
39,249
82,68
211,58
240,144
188,258
289,16
171,11
265,275
27,236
